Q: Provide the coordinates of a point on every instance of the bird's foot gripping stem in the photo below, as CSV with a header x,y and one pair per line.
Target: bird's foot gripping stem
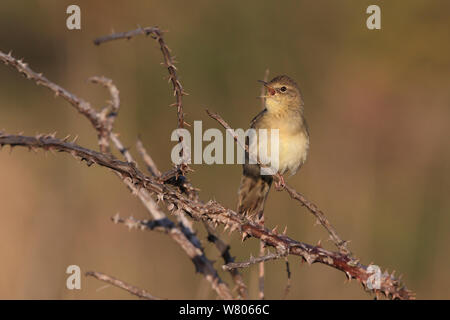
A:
x,y
280,184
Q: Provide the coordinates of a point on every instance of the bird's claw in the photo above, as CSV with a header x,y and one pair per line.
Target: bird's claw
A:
x,y
280,184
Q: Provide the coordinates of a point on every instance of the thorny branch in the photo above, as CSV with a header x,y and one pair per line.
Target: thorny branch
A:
x,y
156,34
103,123
177,176
179,196
224,250
252,260
215,213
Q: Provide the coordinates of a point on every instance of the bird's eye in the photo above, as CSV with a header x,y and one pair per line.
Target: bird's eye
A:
x,y
283,89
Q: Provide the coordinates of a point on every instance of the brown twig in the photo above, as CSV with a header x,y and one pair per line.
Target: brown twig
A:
x,y
150,164
163,225
123,285
224,250
341,244
215,213
195,252
103,122
108,114
288,281
252,260
183,235
81,105
156,34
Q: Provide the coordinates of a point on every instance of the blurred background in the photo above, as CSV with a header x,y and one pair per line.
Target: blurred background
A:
x,y
377,104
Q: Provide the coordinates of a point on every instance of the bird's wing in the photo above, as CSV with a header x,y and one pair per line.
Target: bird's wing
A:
x,y
254,187
256,119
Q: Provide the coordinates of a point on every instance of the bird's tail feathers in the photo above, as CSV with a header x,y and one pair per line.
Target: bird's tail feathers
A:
x,y
253,191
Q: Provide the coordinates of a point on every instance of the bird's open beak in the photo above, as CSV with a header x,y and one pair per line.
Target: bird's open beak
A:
x,y
270,90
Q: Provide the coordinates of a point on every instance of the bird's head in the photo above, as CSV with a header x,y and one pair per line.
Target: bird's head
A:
x,y
282,93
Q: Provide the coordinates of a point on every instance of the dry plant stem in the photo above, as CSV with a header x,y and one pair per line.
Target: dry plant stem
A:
x,y
178,90
123,285
215,213
341,244
176,177
288,282
195,252
224,251
103,123
162,225
150,164
183,235
251,261
184,225
81,105
108,114
156,34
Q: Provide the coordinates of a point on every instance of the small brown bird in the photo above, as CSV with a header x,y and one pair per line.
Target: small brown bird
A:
x,y
283,111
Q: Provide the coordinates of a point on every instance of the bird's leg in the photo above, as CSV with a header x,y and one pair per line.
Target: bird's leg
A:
x,y
280,184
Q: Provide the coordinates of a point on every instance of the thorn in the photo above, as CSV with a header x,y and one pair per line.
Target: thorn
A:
x,y
52,151
116,218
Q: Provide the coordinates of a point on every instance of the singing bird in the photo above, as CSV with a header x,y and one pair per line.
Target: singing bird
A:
x,y
283,110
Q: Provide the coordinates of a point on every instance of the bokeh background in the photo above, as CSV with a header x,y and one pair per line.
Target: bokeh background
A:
x,y
377,103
